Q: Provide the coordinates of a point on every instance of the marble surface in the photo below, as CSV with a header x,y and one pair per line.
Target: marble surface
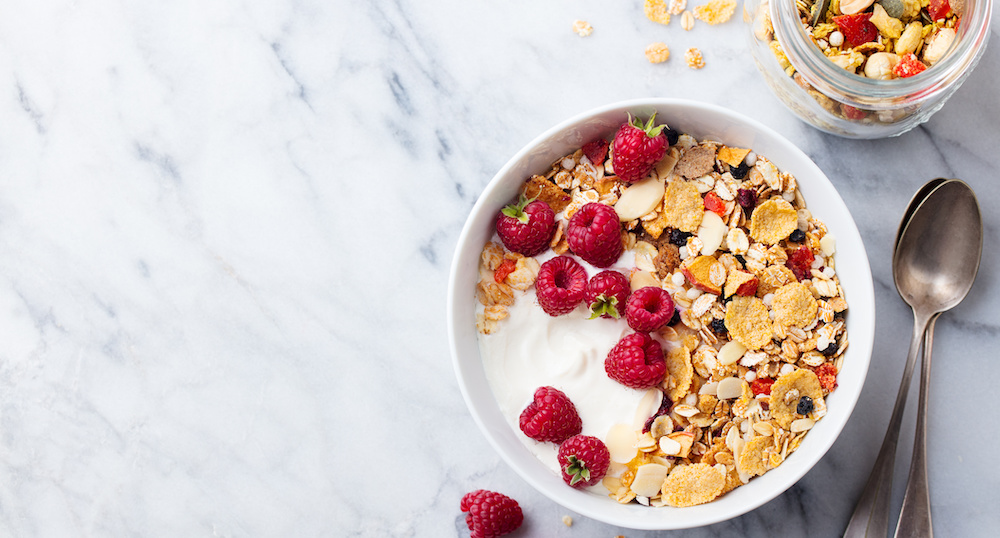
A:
x,y
225,237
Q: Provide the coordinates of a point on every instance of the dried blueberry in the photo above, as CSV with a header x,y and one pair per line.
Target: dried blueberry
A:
x,y
830,349
797,236
679,238
805,406
719,327
675,319
739,172
673,135
747,199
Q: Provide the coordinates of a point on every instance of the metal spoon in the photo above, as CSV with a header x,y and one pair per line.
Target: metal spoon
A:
x,y
871,515
953,226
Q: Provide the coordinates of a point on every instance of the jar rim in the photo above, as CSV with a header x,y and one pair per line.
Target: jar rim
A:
x,y
829,78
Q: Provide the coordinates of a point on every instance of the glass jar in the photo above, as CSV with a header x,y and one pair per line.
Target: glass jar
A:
x,y
840,102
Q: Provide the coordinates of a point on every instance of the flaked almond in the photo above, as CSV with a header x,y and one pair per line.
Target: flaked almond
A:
x,y
649,479
686,439
731,352
642,279
711,232
669,446
729,388
828,245
801,425
640,198
763,428
648,405
621,441
685,410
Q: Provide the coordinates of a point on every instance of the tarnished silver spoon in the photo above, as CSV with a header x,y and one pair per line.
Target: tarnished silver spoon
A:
x,y
910,257
948,223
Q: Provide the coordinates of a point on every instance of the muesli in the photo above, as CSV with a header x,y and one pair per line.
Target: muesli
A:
x,y
718,295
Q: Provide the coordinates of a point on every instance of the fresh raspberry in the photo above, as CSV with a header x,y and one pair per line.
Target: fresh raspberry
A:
x,y
527,226
800,262
561,285
858,29
636,148
594,234
491,514
606,294
648,309
505,268
596,151
761,385
550,416
827,374
583,460
908,66
636,361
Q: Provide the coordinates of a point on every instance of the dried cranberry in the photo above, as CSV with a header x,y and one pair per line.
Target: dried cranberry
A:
x,y
747,199
800,262
665,405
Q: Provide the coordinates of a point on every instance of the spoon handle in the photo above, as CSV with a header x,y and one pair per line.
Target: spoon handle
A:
x,y
915,516
871,514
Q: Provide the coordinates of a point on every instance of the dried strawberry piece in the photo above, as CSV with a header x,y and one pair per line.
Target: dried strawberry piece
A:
x,y
596,151
505,268
908,66
827,374
800,262
938,9
761,385
853,113
715,204
857,29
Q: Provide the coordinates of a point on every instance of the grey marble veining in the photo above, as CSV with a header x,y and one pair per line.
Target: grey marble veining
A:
x,y
225,234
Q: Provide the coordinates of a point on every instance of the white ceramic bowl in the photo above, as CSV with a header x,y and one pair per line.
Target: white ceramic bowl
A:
x,y
701,121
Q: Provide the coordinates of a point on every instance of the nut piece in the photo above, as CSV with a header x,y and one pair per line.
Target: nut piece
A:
x,y
879,66
649,479
938,45
687,20
640,198
850,7
910,39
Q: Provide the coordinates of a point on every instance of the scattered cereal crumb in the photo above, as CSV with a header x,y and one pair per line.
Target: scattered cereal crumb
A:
x,y
677,6
694,58
582,28
568,521
656,11
687,20
657,53
716,11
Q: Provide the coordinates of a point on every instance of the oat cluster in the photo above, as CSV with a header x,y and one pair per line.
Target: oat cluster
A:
x,y
761,334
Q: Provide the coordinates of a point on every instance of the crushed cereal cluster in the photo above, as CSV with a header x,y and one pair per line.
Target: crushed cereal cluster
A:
x,y
737,377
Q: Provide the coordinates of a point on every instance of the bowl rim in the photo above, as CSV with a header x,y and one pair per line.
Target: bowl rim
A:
x,y
861,296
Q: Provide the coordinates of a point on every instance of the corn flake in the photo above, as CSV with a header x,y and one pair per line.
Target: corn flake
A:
x,y
683,206
680,371
542,189
748,322
794,305
657,53
656,11
753,459
690,485
716,11
773,220
783,406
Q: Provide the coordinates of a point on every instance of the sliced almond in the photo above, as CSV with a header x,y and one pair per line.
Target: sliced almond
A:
x,y
828,245
710,388
729,388
731,352
642,279
801,425
621,441
686,439
640,198
665,167
711,232
669,446
686,411
851,7
648,405
649,479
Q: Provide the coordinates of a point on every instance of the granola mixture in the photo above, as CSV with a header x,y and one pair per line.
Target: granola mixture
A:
x,y
761,333
882,40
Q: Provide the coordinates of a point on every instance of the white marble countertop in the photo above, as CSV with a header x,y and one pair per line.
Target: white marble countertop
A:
x,y
225,237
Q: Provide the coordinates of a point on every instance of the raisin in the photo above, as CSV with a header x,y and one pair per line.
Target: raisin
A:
x,y
679,238
830,349
739,172
676,318
719,327
673,135
797,236
805,406
742,260
747,199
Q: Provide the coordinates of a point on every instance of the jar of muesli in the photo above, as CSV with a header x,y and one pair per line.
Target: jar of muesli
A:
x,y
840,88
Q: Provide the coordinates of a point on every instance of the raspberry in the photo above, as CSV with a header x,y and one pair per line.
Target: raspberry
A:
x,y
606,294
908,66
583,460
858,29
527,226
561,285
636,148
636,361
648,309
800,262
550,416
596,151
594,234
491,514
761,385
